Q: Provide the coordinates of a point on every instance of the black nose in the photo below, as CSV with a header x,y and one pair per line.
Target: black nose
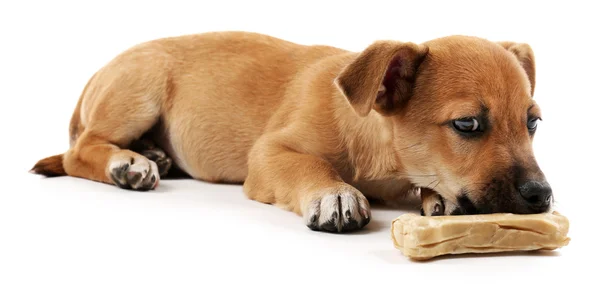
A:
x,y
537,194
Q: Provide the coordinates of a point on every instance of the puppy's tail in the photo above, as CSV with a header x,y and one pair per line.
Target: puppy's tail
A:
x,y
50,167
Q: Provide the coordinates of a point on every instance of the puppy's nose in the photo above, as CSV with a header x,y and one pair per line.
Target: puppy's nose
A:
x,y
537,195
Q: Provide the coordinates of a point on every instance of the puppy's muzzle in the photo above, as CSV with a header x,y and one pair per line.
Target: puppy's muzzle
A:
x,y
523,197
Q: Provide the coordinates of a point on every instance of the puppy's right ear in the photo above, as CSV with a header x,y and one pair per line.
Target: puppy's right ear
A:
x,y
381,77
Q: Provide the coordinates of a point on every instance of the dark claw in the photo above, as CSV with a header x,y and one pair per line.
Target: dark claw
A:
x,y
330,226
350,226
162,162
313,225
118,182
164,165
118,174
366,221
437,210
152,155
339,220
121,171
133,178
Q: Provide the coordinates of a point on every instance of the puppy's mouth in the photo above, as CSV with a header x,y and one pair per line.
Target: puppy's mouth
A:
x,y
434,204
467,207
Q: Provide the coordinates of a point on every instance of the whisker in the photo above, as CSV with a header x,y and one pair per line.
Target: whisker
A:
x,y
419,175
438,183
432,183
474,183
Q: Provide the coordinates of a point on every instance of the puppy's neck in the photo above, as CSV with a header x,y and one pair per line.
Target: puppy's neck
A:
x,y
369,146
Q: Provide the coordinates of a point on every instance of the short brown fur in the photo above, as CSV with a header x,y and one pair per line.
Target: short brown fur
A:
x,y
313,129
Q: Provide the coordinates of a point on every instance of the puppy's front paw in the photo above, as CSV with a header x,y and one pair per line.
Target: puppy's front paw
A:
x,y
432,204
133,172
338,210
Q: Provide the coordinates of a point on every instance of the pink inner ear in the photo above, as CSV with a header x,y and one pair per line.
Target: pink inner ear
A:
x,y
391,75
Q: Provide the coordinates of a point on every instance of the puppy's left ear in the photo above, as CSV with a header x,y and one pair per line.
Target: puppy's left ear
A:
x,y
381,77
524,54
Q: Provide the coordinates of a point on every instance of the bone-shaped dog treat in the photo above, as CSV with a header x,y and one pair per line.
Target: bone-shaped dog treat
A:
x,y
425,237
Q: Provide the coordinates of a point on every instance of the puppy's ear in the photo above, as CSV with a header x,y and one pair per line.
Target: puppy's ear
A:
x,y
524,54
381,77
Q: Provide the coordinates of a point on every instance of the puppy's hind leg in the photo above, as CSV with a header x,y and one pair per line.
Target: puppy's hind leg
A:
x,y
125,108
101,153
120,103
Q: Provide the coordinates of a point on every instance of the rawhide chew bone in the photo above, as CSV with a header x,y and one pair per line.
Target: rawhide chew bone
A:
x,y
424,237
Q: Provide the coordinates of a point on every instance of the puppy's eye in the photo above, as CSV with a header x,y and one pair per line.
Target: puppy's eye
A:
x,y
532,123
467,125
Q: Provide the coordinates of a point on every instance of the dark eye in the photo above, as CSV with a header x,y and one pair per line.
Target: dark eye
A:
x,y
532,124
467,125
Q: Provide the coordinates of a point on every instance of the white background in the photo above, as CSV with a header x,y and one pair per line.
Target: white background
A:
x,y
67,230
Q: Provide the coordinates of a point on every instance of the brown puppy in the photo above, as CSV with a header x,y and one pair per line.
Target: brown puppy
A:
x,y
315,129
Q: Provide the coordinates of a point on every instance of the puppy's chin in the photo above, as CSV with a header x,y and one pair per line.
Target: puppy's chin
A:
x,y
492,204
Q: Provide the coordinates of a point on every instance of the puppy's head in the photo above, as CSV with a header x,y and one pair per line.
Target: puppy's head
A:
x,y
463,115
